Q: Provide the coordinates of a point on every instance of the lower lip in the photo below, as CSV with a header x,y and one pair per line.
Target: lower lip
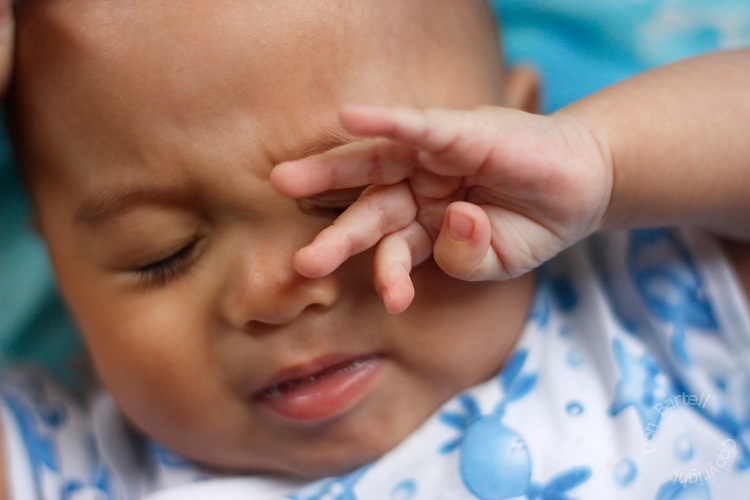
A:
x,y
325,394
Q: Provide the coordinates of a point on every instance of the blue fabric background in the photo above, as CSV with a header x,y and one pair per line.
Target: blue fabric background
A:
x,y
34,324
581,46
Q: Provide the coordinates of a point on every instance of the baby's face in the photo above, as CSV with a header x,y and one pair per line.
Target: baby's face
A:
x,y
150,133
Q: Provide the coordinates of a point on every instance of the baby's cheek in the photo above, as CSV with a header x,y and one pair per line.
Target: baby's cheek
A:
x,y
464,330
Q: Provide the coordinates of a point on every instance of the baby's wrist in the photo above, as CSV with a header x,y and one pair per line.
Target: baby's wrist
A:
x,y
597,158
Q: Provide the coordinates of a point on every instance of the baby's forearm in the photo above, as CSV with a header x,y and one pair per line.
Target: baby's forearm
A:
x,y
679,137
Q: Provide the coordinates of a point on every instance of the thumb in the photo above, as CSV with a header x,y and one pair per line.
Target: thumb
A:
x,y
7,29
462,249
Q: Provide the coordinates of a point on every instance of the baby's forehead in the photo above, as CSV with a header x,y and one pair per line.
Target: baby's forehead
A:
x,y
118,30
111,43
137,27
110,54
123,68
120,24
116,42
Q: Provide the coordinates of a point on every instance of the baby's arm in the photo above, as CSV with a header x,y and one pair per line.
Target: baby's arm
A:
x,y
679,137
494,192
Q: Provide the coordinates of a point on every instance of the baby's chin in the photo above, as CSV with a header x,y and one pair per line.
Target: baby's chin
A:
x,y
302,464
312,456
326,466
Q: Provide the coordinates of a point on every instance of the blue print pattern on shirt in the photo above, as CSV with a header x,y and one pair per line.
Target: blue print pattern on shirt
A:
x,y
160,454
340,488
42,449
671,291
495,462
673,490
672,288
668,280
41,419
641,386
552,292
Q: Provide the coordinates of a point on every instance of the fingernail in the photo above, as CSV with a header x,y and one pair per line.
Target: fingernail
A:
x,y
460,226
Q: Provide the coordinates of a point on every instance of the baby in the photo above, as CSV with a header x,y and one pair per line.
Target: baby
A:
x,y
183,155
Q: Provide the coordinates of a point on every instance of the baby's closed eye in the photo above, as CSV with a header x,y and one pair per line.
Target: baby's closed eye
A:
x,y
166,269
334,201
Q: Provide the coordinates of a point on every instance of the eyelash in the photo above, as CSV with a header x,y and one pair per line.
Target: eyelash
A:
x,y
336,211
326,210
162,272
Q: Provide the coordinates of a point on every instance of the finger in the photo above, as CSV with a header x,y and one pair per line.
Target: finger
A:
x,y
463,248
356,164
381,210
520,242
428,130
395,257
450,141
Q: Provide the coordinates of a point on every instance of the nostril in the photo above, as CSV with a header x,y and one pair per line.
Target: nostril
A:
x,y
269,320
260,329
259,306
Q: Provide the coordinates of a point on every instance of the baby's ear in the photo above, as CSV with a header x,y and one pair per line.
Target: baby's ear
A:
x,y
522,89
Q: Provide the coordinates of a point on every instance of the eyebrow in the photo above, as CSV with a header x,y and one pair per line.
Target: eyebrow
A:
x,y
109,203
329,139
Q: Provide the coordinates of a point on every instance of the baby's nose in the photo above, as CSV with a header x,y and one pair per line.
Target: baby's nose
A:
x,y
264,289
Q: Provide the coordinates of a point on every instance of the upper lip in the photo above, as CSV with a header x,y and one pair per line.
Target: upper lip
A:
x,y
316,367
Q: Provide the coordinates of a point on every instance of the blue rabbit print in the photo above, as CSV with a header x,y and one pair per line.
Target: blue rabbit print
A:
x,y
671,286
495,462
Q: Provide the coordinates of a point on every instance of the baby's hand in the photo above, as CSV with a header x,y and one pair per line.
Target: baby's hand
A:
x,y
491,193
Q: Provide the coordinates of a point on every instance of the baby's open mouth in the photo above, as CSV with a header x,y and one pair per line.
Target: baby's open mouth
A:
x,y
321,390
